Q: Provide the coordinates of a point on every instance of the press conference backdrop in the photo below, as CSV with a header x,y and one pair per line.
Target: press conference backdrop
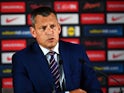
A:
x,y
97,24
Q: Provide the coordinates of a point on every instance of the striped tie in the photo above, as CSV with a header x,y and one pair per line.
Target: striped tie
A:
x,y
54,70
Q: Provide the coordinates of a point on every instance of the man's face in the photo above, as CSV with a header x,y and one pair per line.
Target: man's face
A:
x,y
46,30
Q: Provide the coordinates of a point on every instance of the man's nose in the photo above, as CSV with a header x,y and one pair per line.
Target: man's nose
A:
x,y
49,30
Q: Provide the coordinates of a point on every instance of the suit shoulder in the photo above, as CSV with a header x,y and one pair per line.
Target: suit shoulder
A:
x,y
24,50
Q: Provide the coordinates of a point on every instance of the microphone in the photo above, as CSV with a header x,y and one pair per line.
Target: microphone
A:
x,y
61,69
60,62
100,72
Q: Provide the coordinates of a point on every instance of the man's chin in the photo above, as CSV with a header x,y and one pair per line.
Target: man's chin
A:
x,y
51,46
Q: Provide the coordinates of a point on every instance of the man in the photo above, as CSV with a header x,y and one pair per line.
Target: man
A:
x,y
32,72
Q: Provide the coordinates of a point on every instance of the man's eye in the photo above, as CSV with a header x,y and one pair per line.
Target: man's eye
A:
x,y
52,26
43,28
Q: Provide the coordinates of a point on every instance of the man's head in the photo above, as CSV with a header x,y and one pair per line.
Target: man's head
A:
x,y
45,27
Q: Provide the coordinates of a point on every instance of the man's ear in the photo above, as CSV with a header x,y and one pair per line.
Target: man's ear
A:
x,y
59,28
32,31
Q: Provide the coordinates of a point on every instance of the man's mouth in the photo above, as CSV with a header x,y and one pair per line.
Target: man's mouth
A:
x,y
51,39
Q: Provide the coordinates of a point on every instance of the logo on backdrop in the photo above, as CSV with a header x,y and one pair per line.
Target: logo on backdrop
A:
x,y
117,43
13,7
114,90
115,6
68,18
7,83
96,55
92,6
104,30
13,19
94,43
13,45
109,67
70,31
5,70
115,55
15,32
35,4
119,78
90,18
61,6
7,57
115,18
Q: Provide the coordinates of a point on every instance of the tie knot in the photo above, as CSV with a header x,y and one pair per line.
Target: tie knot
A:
x,y
51,53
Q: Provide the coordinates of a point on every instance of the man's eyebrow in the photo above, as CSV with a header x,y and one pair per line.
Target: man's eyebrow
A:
x,y
43,26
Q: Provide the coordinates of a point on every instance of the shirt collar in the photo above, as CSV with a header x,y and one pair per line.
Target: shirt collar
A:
x,y
45,50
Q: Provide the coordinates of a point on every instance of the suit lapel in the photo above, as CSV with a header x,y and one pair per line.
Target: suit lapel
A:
x,y
42,61
64,53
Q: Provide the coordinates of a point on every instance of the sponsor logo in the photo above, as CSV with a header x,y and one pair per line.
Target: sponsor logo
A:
x,y
13,19
114,55
103,30
7,57
64,19
15,32
71,40
115,43
109,67
36,5
7,90
95,6
12,7
96,55
119,78
92,18
68,18
33,5
91,5
70,31
94,43
11,45
117,55
5,70
10,20
115,5
66,6
115,90
7,83
115,18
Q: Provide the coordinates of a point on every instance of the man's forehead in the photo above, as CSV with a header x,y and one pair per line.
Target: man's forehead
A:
x,y
49,24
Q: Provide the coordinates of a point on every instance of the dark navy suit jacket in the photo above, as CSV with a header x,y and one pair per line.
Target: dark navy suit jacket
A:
x,y
31,73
